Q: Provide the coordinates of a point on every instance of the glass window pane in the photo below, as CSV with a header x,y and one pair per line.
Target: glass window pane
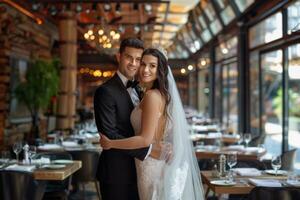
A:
x,y
233,96
294,17
218,84
209,11
225,95
227,15
266,31
294,100
203,88
254,97
227,49
243,4
215,26
206,36
202,22
183,53
271,66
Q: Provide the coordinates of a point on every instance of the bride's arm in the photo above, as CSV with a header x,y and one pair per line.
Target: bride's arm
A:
x,y
150,117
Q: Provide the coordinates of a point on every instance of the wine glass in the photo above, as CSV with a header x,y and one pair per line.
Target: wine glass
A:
x,y
231,161
276,163
17,148
31,152
247,138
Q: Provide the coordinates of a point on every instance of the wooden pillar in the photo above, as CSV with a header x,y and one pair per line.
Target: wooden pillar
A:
x,y
4,90
67,90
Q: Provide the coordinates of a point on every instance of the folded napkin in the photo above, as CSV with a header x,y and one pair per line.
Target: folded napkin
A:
x,y
253,149
70,144
199,128
265,182
42,160
234,147
16,167
49,146
214,134
247,171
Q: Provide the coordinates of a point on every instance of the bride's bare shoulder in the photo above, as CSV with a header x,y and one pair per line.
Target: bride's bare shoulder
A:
x,y
153,95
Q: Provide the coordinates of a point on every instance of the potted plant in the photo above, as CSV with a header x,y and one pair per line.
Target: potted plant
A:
x,y
42,80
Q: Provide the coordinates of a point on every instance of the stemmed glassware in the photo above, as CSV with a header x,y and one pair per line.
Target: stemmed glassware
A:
x,y
247,138
231,162
276,163
17,148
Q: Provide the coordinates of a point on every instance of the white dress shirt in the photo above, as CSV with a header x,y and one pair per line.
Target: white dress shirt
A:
x,y
134,97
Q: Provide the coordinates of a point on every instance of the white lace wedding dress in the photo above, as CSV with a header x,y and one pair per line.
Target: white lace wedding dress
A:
x,y
149,171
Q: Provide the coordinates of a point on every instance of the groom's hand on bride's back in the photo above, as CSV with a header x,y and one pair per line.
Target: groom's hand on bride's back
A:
x,y
162,151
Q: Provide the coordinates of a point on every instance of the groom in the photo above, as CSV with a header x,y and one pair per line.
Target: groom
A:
x,y
113,103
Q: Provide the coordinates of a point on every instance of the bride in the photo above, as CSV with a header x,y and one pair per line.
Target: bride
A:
x,y
159,118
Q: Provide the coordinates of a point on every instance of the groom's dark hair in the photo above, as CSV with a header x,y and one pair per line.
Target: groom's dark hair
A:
x,y
131,42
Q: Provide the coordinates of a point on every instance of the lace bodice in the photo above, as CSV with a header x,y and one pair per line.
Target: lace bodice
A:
x,y
136,119
149,171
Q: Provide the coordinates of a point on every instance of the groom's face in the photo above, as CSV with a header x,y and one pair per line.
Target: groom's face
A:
x,y
129,61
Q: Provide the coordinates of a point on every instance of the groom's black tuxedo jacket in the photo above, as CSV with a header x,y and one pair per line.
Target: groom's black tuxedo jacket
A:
x,y
113,106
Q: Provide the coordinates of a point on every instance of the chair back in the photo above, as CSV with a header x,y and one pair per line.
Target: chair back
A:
x,y
288,159
274,193
21,186
90,160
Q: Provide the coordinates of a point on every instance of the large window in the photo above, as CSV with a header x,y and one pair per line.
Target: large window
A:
x,y
272,96
294,99
230,95
266,31
294,17
201,26
214,24
226,85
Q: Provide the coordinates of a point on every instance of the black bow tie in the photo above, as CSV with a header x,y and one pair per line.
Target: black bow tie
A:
x,y
131,84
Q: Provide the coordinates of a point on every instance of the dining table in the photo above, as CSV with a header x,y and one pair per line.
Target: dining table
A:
x,y
241,185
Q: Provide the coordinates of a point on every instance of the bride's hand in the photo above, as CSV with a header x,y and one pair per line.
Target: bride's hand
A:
x,y
105,142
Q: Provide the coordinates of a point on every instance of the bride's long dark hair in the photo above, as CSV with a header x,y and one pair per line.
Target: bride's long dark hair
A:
x,y
161,83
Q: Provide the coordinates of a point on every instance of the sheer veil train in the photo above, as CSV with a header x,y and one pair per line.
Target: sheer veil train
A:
x,y
181,178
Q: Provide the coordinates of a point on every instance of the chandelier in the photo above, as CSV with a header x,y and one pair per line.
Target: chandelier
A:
x,y
102,37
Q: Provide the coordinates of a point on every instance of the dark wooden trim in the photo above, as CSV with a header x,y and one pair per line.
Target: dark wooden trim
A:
x,y
243,81
286,40
65,116
217,11
64,42
212,86
236,10
285,101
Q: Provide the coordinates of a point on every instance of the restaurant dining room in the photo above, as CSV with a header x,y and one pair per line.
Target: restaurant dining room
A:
x,y
150,99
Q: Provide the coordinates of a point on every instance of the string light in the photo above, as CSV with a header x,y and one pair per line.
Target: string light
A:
x,y
95,73
183,71
190,67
